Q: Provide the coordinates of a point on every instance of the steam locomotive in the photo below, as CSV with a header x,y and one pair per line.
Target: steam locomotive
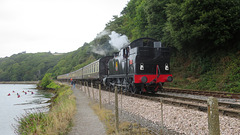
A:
x,y
141,66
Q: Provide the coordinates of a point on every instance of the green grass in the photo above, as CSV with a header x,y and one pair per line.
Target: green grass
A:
x,y
125,128
219,72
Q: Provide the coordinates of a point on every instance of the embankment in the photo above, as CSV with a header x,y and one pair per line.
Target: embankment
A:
x,y
57,121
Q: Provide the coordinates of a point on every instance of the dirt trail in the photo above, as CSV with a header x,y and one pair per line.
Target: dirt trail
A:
x,y
86,122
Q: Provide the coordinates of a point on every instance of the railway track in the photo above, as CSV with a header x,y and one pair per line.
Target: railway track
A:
x,y
217,94
225,108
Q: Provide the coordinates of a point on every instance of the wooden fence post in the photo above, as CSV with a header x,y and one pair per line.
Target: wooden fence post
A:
x,y
116,110
88,90
92,90
162,115
121,99
213,116
109,95
80,85
100,97
83,86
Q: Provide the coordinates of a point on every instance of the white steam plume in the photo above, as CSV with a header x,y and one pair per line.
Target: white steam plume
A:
x,y
117,40
103,33
99,51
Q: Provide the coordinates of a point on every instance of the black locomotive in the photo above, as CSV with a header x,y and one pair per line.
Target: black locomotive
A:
x,y
142,66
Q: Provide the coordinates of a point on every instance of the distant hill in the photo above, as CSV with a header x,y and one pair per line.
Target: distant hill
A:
x,y
27,66
33,66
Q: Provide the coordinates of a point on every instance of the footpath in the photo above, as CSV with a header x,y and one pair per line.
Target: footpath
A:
x,y
86,122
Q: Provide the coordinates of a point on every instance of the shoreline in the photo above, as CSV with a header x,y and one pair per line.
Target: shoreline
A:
x,y
38,123
20,82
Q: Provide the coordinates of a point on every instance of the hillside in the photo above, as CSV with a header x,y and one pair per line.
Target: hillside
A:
x,y
203,37
27,66
219,71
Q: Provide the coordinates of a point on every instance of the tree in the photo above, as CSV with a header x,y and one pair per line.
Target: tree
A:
x,y
196,25
156,18
46,80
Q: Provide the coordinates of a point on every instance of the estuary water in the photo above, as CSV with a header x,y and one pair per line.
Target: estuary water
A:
x,y
18,99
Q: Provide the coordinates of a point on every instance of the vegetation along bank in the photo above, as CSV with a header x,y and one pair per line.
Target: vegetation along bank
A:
x,y
59,118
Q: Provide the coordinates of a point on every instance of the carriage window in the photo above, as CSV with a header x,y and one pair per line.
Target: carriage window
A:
x,y
97,67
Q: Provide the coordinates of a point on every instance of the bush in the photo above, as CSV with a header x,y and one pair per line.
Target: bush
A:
x,y
46,81
53,85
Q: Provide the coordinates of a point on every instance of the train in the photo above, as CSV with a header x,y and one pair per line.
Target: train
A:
x,y
139,67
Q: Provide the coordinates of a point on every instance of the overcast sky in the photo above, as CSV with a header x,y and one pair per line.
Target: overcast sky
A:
x,y
52,25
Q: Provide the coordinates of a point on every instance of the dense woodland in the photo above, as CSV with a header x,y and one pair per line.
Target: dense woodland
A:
x,y
203,37
27,66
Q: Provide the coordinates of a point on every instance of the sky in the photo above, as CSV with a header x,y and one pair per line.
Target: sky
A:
x,y
52,25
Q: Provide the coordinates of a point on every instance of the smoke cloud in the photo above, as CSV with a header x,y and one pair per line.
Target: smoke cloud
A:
x,y
99,51
118,41
103,33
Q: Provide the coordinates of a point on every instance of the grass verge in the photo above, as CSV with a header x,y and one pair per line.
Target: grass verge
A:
x,y
57,121
125,128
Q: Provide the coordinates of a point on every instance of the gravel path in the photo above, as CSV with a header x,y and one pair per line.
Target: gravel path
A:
x,y
86,122
178,119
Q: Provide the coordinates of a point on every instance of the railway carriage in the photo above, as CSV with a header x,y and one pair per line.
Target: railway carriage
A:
x,y
94,71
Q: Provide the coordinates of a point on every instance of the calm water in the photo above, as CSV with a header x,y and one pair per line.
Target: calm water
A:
x,y
12,107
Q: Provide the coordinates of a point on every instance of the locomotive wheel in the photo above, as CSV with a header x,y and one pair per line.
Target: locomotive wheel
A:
x,y
133,89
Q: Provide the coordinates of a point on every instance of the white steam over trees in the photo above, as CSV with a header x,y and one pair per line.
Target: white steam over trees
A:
x,y
107,42
118,41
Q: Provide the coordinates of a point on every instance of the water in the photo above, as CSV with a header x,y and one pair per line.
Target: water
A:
x,y
12,107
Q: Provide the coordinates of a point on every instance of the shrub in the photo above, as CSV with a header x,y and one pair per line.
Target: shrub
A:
x,y
53,85
46,81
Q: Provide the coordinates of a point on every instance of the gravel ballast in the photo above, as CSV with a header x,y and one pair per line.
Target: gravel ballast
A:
x,y
177,119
